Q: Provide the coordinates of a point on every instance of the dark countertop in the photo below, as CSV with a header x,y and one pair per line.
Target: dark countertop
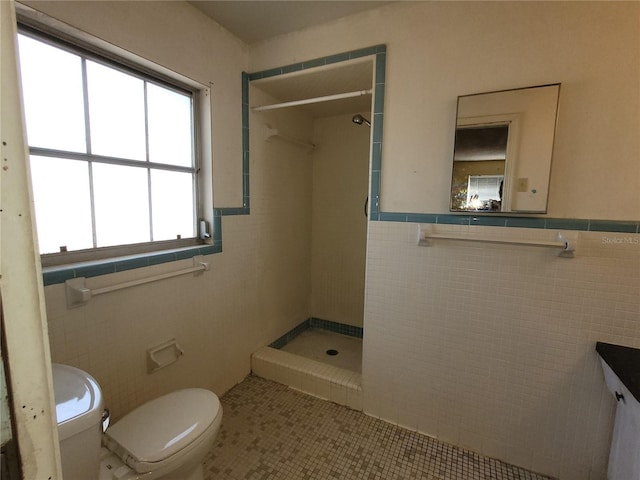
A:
x,y
625,363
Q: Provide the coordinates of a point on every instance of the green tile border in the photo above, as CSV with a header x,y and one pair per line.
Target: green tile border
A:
x,y
313,322
54,275
578,224
342,328
380,52
290,335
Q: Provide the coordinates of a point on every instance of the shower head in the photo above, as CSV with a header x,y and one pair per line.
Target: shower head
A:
x,y
359,119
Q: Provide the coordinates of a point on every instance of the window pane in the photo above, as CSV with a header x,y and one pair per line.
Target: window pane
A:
x,y
121,204
116,113
62,203
53,100
169,126
172,200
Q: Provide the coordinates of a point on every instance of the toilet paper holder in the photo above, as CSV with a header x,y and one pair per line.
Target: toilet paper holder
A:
x,y
163,355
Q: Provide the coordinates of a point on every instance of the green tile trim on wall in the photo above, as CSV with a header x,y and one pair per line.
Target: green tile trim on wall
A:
x,y
377,126
378,50
514,222
53,275
317,62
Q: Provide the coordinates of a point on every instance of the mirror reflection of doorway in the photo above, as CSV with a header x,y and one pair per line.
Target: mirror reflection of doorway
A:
x,y
515,127
479,165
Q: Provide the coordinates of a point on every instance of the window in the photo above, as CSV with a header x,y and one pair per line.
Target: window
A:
x,y
484,192
112,150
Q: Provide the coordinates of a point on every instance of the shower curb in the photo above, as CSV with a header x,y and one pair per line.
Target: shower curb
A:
x,y
327,382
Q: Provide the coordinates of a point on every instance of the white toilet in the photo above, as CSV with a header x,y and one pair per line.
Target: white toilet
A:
x,y
166,438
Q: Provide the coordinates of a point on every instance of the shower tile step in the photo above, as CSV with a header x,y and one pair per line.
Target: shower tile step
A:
x,y
315,378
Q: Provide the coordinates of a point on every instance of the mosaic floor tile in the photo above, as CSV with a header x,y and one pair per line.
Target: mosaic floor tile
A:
x,y
272,432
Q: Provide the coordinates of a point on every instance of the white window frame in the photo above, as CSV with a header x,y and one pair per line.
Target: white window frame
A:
x,y
61,35
477,179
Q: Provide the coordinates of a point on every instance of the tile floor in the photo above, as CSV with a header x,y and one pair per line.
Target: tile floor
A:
x,y
272,432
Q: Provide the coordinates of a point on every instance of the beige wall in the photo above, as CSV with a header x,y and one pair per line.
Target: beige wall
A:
x,y
339,227
439,50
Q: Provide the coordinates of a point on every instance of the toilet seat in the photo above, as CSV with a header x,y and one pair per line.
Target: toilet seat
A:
x,y
164,431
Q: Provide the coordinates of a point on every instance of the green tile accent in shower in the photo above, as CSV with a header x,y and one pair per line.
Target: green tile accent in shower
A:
x,y
342,328
340,57
376,157
317,62
377,133
313,322
291,68
374,196
378,104
381,67
290,335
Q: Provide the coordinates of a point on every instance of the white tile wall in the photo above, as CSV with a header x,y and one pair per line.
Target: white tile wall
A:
x,y
109,336
493,347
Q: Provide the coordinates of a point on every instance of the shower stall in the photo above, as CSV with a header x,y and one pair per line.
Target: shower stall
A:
x,y
330,136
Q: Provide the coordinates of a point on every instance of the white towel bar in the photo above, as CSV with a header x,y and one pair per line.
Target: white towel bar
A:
x,y
306,101
78,294
566,247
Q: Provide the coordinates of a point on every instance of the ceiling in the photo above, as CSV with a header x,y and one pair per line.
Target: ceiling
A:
x,y
255,21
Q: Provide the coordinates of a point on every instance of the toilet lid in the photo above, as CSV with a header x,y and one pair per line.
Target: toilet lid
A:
x,y
162,427
78,400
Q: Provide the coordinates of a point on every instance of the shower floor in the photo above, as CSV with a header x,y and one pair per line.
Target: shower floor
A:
x,y
314,343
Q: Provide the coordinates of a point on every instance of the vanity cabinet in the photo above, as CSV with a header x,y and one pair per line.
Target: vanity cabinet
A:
x,y
621,367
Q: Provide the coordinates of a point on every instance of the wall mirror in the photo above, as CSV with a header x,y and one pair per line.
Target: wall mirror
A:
x,y
502,150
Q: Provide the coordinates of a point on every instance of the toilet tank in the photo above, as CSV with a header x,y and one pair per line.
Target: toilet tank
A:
x,y
79,407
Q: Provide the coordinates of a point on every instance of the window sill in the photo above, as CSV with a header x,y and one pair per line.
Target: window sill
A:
x,y
60,273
